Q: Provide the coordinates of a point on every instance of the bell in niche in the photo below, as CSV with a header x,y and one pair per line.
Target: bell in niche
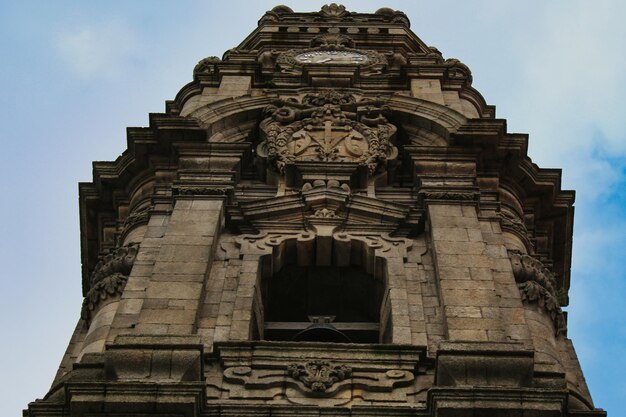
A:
x,y
321,330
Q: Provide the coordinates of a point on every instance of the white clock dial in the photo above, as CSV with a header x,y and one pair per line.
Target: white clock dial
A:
x,y
331,57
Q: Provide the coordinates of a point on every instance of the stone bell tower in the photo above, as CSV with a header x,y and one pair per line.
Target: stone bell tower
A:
x,y
328,220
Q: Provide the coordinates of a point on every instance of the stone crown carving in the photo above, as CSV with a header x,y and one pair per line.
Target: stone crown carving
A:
x,y
328,127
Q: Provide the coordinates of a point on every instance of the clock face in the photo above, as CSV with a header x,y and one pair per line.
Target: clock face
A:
x,y
331,57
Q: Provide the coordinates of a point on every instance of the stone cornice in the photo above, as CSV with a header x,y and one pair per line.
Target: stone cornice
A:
x,y
353,212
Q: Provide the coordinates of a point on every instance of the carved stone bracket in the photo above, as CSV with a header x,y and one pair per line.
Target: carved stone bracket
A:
x,y
537,284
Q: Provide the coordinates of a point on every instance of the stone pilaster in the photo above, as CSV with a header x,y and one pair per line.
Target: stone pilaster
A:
x,y
463,266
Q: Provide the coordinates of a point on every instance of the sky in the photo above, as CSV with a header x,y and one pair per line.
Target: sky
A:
x,y
75,74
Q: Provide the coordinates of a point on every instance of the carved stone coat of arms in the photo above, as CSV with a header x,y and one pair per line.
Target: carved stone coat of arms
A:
x,y
328,127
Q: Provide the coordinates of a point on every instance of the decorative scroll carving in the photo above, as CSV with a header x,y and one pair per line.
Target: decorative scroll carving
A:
x,y
319,375
317,378
138,216
329,374
206,65
537,284
395,16
385,244
109,277
334,10
282,9
265,242
327,127
512,222
325,213
457,69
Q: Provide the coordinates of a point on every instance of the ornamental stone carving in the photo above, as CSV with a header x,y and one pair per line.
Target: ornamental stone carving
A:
x,y
108,287
319,375
109,277
448,195
312,373
334,10
330,127
206,65
203,190
513,222
119,261
137,216
537,285
332,39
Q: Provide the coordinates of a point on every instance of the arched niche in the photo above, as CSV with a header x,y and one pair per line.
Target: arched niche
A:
x,y
269,260
322,304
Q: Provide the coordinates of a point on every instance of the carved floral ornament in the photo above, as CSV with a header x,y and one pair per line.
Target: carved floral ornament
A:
x,y
328,127
332,40
319,375
537,285
109,277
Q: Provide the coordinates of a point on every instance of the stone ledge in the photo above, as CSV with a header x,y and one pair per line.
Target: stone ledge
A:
x,y
486,364
154,359
497,402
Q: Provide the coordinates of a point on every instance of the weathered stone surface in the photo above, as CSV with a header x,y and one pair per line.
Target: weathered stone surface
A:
x,y
329,220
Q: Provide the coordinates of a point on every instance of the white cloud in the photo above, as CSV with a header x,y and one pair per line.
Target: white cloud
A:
x,y
574,75
99,49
